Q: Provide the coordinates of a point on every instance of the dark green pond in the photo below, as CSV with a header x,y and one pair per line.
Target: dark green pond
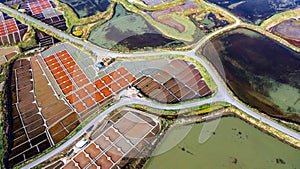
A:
x,y
260,71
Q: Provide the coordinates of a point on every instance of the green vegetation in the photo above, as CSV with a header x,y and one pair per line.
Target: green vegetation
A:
x,y
161,6
208,108
14,16
77,33
28,39
120,48
199,110
3,118
16,7
69,14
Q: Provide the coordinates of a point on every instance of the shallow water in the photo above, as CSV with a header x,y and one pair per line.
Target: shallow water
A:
x,y
235,144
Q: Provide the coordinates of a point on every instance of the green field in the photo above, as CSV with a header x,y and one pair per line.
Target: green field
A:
x,y
235,144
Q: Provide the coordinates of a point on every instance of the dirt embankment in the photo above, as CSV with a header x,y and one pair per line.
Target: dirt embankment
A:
x,y
164,16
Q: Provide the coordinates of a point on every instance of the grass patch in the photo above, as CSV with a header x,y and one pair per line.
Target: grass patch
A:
x,y
161,6
199,110
207,108
28,39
